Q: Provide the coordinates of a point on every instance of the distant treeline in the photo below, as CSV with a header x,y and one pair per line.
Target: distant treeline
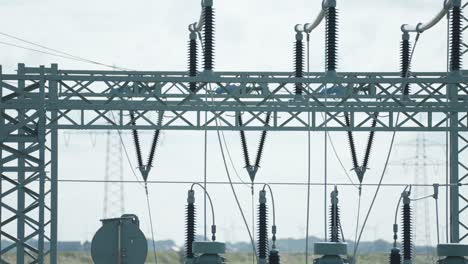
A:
x,y
284,245
77,246
298,246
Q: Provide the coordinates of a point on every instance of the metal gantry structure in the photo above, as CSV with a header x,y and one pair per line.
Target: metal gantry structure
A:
x,y
37,102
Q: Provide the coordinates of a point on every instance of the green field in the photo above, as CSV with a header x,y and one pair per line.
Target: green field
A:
x,y
235,258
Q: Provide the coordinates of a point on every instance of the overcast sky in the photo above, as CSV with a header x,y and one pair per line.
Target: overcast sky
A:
x,y
251,36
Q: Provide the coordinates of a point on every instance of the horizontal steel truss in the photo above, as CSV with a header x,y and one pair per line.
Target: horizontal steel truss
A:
x,y
103,99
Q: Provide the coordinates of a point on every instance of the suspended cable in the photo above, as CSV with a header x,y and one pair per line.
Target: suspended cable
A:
x,y
233,189
208,65
205,178
331,58
253,225
437,220
145,169
258,183
376,193
252,169
205,154
208,51
398,205
151,223
209,199
421,198
308,161
145,187
232,161
384,169
335,152
358,219
60,54
234,192
40,51
447,141
272,201
119,132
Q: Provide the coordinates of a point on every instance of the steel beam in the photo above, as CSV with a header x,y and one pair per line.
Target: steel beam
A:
x,y
20,249
2,124
85,100
53,172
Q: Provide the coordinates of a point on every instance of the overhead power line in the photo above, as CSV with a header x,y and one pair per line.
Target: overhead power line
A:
x,y
55,52
260,183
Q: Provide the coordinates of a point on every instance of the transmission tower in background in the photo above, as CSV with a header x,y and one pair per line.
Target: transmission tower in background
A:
x,y
418,164
114,200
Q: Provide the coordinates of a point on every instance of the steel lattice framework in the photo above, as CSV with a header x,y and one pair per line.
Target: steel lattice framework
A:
x,y
38,101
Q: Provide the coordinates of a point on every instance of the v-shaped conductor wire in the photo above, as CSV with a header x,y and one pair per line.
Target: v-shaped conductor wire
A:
x,y
361,170
252,169
145,169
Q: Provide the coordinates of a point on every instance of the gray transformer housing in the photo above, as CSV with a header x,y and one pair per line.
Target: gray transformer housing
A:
x,y
453,253
209,252
119,240
331,252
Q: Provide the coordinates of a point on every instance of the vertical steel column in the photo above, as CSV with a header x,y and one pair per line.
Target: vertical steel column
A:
x,y
462,153
455,67
41,133
454,163
454,189
53,96
24,209
20,224
2,124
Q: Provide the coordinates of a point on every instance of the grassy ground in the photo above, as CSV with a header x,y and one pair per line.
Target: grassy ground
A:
x,y
300,259
235,258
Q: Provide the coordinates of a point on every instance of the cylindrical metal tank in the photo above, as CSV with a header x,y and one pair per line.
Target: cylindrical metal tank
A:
x,y
119,241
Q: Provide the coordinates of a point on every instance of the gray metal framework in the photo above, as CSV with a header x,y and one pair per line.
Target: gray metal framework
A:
x,y
102,99
38,101
28,168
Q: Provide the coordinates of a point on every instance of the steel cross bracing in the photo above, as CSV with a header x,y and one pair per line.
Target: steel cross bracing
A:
x,y
459,168
84,100
28,168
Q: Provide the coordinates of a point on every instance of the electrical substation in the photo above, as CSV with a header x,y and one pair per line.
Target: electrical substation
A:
x,y
37,102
